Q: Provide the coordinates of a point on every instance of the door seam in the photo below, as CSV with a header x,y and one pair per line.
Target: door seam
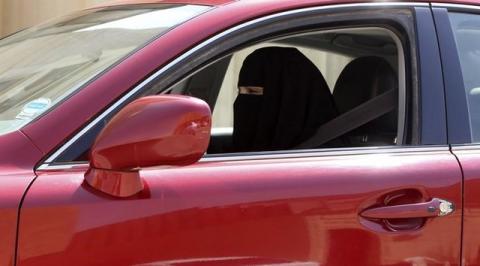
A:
x,y
462,188
17,233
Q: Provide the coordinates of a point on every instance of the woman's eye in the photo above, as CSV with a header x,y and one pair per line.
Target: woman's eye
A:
x,y
251,90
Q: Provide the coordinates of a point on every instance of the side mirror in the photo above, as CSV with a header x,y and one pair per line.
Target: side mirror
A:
x,y
166,130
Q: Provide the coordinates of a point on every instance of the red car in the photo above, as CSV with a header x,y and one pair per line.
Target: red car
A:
x,y
252,132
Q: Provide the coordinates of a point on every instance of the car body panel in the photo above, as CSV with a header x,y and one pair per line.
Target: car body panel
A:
x,y
18,156
468,153
13,187
274,2
469,158
297,210
250,211
136,2
19,153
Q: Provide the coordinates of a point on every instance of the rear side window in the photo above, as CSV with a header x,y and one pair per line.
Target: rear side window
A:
x,y
466,28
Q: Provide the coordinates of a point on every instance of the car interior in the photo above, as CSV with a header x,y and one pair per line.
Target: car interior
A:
x,y
359,71
354,67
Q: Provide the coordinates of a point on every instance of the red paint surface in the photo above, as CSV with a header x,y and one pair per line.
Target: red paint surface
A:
x,y
17,158
154,131
165,130
275,2
259,211
12,188
255,212
120,184
469,160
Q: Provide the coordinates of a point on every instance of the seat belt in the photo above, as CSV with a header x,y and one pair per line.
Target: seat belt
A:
x,y
358,116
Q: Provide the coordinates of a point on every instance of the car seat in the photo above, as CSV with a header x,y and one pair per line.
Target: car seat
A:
x,y
362,80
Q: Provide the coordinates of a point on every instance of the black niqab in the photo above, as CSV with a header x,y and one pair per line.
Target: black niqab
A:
x,y
296,100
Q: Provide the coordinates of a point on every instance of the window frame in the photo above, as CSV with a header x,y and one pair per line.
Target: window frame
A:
x,y
393,16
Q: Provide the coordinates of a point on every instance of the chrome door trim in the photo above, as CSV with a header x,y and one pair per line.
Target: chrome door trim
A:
x,y
205,43
326,152
386,150
466,147
456,6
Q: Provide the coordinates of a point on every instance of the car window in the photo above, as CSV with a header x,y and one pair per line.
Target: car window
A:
x,y
274,96
344,69
43,65
329,64
466,28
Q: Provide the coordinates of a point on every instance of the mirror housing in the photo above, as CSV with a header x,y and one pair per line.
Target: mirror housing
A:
x,y
164,130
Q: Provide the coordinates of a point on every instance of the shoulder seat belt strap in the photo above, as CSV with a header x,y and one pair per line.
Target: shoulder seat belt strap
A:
x,y
352,119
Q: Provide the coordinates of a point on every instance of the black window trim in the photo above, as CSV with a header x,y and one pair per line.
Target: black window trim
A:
x,y
459,129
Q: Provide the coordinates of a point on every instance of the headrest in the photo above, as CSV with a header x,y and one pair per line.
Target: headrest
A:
x,y
295,100
361,80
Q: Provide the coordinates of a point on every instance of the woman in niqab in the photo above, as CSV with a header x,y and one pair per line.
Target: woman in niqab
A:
x,y
283,98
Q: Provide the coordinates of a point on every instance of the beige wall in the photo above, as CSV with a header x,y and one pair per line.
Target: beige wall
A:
x,y
19,14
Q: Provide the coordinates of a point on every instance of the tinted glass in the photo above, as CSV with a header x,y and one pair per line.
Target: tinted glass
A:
x,y
43,65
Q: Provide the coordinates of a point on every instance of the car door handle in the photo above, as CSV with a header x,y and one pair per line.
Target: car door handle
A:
x,y
434,208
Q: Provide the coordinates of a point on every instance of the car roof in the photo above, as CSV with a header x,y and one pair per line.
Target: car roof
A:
x,y
274,2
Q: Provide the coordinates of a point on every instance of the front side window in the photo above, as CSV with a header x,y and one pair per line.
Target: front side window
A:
x,y
278,95
43,65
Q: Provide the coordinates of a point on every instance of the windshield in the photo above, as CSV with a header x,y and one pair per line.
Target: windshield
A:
x,y
43,65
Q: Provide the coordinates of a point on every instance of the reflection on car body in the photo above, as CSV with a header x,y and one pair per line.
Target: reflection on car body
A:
x,y
219,132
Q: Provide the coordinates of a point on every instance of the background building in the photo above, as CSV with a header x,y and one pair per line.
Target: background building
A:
x,y
18,14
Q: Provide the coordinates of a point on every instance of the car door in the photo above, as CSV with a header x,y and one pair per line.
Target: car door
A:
x,y
345,206
458,27
17,153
